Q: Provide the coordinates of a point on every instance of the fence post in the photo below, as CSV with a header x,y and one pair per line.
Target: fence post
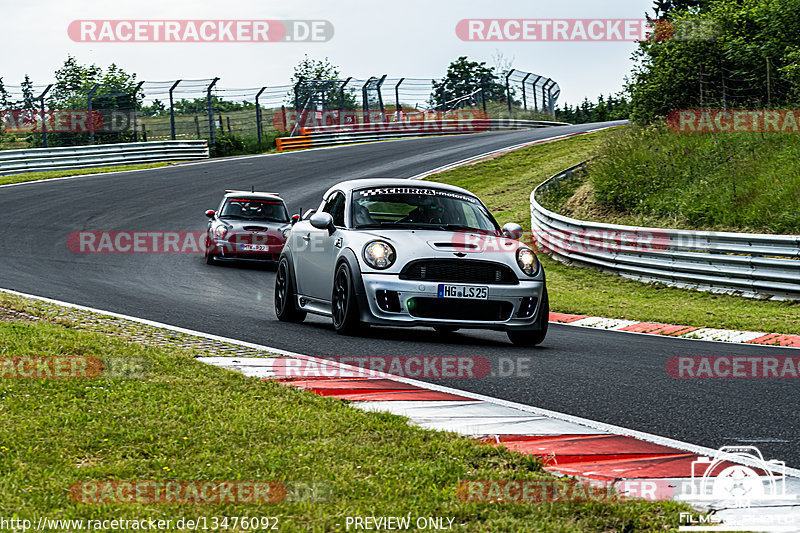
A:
x,y
211,127
144,133
397,95
172,111
508,91
89,109
443,98
380,98
296,95
533,90
44,115
484,78
197,125
365,101
136,110
258,117
524,97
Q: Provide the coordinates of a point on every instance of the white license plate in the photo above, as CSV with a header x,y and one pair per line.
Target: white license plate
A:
x,y
463,291
255,248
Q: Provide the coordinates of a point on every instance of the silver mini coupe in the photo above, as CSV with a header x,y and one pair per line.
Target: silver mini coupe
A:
x,y
396,252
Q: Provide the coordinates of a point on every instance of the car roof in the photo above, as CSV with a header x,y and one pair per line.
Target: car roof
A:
x,y
350,185
253,195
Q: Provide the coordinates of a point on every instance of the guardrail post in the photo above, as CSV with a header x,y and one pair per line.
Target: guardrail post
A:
x,y
89,109
397,96
380,98
258,117
172,111
44,114
524,97
136,110
508,91
211,126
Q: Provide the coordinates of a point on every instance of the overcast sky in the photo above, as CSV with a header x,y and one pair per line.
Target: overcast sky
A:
x,y
413,38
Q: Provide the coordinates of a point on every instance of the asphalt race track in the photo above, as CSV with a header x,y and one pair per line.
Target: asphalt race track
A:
x,y
611,377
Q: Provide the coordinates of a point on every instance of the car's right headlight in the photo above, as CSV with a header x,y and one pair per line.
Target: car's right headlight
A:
x,y
527,261
220,231
379,254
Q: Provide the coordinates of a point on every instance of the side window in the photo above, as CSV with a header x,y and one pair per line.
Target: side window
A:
x,y
335,206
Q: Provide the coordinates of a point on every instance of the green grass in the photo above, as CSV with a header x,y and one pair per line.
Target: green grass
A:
x,y
188,421
37,176
505,184
729,181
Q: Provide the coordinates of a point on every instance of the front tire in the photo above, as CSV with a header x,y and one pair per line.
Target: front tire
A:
x,y
535,337
210,258
344,306
285,295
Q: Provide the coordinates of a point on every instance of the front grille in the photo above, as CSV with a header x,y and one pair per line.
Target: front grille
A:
x,y
459,271
457,309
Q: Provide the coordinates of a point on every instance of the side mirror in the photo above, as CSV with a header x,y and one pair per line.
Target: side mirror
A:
x,y
295,219
323,221
512,231
210,213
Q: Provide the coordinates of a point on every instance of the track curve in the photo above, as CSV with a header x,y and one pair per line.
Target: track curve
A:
x,y
608,376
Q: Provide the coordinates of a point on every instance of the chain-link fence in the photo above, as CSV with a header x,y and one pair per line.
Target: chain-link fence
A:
x,y
250,119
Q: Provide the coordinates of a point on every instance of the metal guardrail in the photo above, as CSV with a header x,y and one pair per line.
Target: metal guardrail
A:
x,y
755,265
335,135
46,159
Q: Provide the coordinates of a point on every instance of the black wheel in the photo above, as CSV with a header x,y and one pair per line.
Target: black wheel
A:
x,y
445,330
344,306
285,297
535,337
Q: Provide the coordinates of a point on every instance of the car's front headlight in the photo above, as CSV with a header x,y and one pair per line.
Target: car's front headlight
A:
x,y
220,231
379,254
527,261
285,233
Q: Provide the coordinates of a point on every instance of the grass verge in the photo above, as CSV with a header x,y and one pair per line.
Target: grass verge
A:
x,y
187,421
38,176
505,183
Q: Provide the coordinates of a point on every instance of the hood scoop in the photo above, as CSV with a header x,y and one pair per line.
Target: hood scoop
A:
x,y
255,228
455,245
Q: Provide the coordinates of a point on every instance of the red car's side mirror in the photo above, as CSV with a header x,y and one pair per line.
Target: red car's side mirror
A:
x,y
210,213
295,218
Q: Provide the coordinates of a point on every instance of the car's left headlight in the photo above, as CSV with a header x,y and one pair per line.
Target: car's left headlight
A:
x,y
285,233
379,254
527,261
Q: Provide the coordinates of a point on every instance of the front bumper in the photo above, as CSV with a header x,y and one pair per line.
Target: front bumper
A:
x,y
505,297
224,250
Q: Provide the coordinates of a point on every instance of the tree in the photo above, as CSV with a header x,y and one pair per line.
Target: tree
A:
x,y
28,99
318,85
4,96
463,78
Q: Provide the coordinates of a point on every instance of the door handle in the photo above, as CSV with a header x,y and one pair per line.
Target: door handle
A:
x,y
307,238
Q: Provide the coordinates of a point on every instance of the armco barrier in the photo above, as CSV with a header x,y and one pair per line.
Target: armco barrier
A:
x,y
335,135
757,265
64,158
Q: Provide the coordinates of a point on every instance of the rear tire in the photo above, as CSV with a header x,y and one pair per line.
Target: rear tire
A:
x,y
535,337
285,296
344,306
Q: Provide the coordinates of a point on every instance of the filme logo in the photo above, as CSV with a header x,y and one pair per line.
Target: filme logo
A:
x,y
200,31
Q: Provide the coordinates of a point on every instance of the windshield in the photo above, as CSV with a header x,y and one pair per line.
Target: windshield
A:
x,y
255,209
420,208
